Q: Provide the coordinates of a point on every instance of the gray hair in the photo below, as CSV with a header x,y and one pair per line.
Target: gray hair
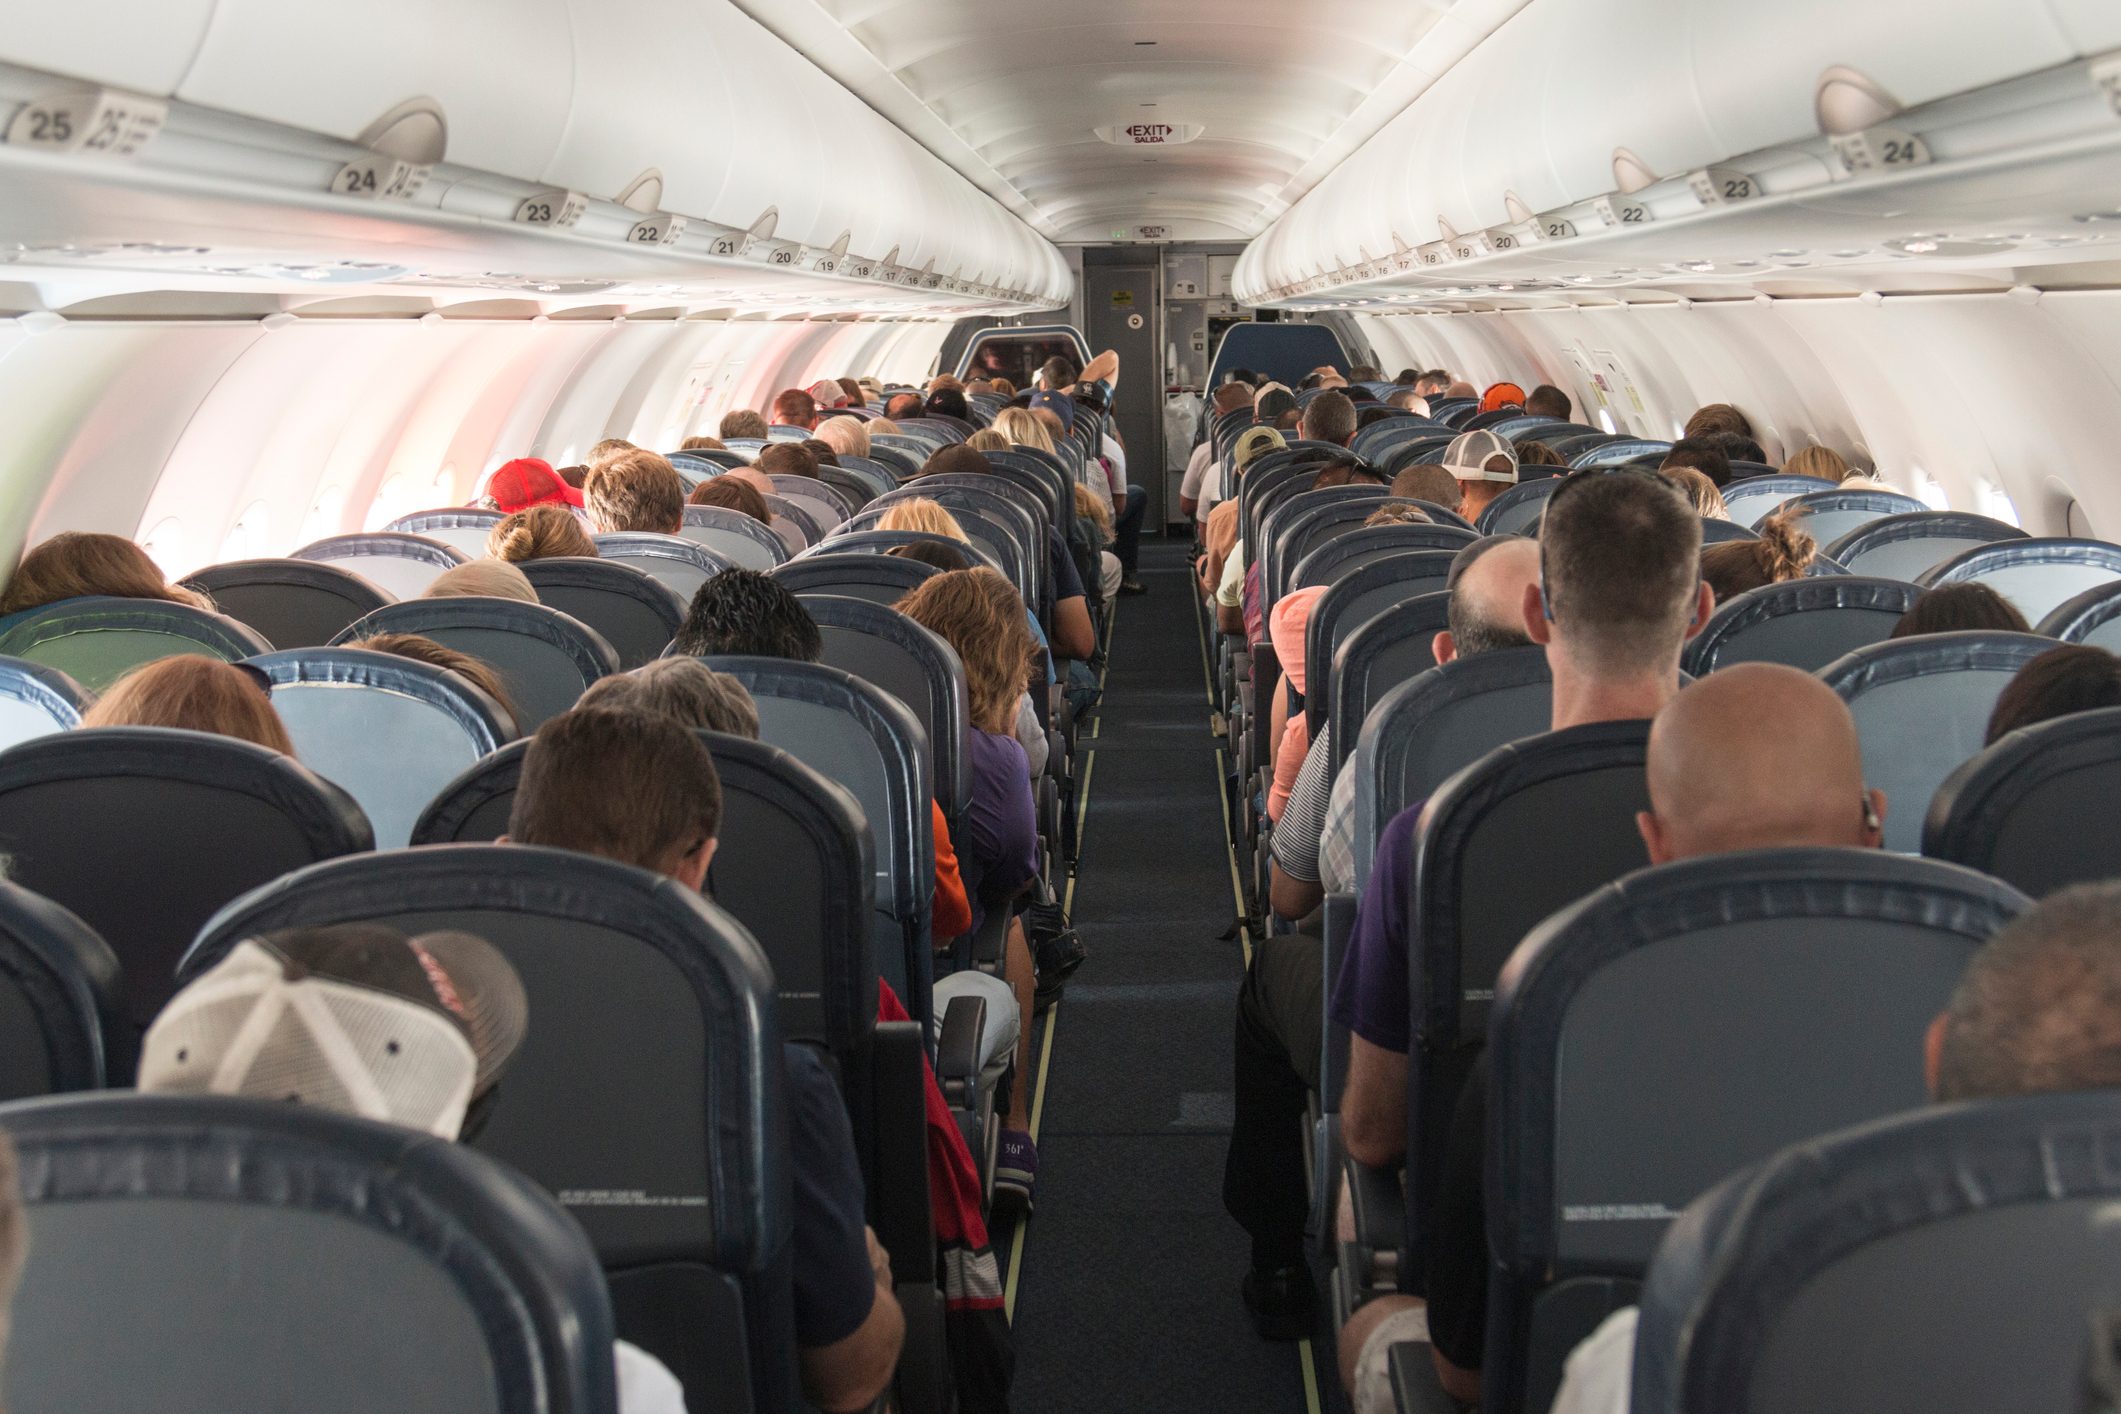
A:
x,y
683,689
2039,1008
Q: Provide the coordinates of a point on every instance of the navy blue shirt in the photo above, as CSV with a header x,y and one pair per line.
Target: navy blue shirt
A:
x,y
1370,997
834,1286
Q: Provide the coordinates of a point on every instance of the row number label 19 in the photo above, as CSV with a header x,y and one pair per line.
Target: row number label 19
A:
x,y
1722,186
89,122
377,176
551,208
659,229
1881,150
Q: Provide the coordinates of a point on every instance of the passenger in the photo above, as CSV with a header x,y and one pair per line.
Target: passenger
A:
x,y
2037,1012
903,407
642,790
1426,481
787,459
920,513
481,579
1461,389
742,423
795,408
1500,396
421,649
1534,453
77,563
683,689
827,394
1822,462
1546,400
1701,493
978,613
948,402
1004,387
1071,633
1717,417
1397,515
1056,429
1347,470
820,451
1088,508
748,614
525,482
1023,428
1702,455
610,447
856,396
1410,401
1329,418
1433,384
700,443
1484,466
574,475
1201,487
1618,597
872,389
540,533
636,491
2073,678
732,495
1289,727
1223,567
1280,1008
847,436
1956,608
1738,449
986,439
934,552
198,694
452,1004
1782,552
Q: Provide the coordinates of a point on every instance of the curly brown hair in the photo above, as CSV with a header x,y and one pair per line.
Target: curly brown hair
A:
x,y
978,613
541,533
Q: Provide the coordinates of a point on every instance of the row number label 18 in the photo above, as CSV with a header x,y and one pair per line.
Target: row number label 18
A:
x,y
376,176
89,122
551,208
1881,150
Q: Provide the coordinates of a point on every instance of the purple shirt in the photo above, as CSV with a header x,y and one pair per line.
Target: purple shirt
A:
x,y
1371,995
997,846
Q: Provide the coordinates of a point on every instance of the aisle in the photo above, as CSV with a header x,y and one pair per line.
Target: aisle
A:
x,y
1127,1293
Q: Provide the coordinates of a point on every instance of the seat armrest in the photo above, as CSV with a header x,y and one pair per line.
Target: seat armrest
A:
x,y
991,941
1336,927
957,1050
896,1139
1377,1204
1415,1388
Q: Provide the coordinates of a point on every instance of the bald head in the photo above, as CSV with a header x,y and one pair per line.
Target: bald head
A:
x,y
1487,598
1757,756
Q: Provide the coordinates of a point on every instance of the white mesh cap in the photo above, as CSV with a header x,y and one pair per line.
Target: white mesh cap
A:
x,y
259,1025
1468,456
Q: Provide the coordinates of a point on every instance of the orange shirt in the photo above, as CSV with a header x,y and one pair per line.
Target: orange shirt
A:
x,y
952,913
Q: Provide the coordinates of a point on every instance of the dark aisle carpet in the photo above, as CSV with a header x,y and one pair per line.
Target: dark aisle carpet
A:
x,y
1127,1295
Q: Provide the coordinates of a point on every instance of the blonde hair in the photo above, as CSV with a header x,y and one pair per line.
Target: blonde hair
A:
x,y
198,694
79,562
1694,484
545,532
482,579
636,491
987,440
699,443
1024,428
1003,386
978,613
1822,462
847,436
1088,506
876,425
921,513
609,448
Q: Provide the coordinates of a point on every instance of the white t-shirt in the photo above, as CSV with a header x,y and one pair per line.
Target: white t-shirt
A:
x,y
1600,1372
646,1385
1230,593
1195,481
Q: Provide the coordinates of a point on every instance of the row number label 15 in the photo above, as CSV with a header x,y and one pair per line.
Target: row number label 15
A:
x,y
90,122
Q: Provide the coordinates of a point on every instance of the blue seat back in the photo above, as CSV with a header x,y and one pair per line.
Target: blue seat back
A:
x,y
1905,546
856,571
1887,1265
290,603
454,1283
1346,553
1374,657
1427,729
1800,623
1922,707
144,831
671,1155
881,646
1753,499
744,542
461,528
400,565
1361,593
2037,575
2092,617
636,613
547,659
999,544
1626,1057
1517,510
388,731
679,563
97,639
62,1020
1826,516
37,701
1609,454
2018,810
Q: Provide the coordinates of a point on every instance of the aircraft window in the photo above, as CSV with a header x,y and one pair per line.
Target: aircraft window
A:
x,y
247,537
1996,504
1928,490
323,517
169,546
399,495
1605,420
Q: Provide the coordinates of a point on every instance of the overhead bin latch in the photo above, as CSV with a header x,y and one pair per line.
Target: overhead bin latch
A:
x,y
643,195
400,152
1853,111
87,121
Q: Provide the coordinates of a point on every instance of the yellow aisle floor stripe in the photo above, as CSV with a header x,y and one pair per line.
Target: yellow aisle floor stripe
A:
x,y
1306,1358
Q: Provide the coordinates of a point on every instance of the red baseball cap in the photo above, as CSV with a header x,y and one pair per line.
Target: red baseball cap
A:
x,y
527,482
